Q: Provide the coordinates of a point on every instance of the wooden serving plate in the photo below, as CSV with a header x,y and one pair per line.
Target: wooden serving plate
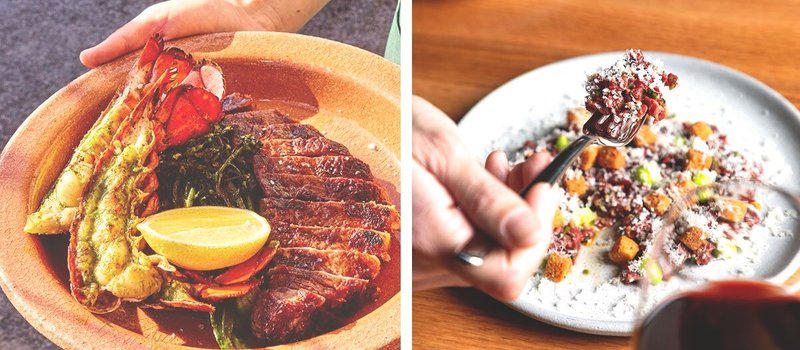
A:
x,y
352,96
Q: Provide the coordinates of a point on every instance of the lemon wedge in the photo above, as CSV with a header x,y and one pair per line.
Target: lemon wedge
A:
x,y
205,238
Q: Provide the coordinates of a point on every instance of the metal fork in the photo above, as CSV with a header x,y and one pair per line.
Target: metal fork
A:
x,y
596,130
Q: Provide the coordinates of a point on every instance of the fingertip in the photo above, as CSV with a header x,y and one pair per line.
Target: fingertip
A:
x,y
518,228
542,158
534,165
497,165
507,288
545,198
87,59
523,173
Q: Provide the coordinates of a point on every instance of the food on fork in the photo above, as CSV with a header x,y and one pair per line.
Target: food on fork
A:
x,y
627,91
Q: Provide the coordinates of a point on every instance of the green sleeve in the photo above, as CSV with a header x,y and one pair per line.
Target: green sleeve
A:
x,y
392,51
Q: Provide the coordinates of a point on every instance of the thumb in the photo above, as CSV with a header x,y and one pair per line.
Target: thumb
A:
x,y
131,36
492,205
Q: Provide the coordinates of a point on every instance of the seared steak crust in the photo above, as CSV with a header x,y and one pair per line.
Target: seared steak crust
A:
x,y
342,238
284,314
333,221
320,189
331,214
323,166
338,262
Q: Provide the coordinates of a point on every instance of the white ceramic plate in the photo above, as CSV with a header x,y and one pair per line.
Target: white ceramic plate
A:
x,y
753,115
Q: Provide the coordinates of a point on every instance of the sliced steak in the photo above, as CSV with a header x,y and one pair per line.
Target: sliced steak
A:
x,y
283,314
337,290
321,189
334,223
254,123
290,131
338,262
311,147
343,238
370,216
323,166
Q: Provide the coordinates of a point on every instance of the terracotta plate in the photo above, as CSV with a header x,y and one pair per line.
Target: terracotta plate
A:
x,y
351,95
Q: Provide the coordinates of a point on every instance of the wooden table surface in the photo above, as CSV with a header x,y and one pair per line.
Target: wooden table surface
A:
x,y
464,49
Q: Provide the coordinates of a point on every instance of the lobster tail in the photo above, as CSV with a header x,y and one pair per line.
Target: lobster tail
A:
x,y
105,259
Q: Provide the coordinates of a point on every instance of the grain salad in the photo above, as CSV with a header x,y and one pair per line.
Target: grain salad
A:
x,y
627,190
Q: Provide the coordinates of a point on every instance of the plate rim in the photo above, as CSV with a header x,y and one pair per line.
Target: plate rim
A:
x,y
616,328
12,156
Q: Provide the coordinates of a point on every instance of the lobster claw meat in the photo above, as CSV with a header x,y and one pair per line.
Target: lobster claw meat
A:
x,y
174,62
249,268
105,257
150,52
207,75
186,112
58,208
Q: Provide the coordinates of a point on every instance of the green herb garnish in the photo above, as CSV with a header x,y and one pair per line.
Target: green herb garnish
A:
x,y
223,322
213,169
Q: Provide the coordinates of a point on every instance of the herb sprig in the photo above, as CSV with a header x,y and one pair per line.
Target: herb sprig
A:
x,y
213,169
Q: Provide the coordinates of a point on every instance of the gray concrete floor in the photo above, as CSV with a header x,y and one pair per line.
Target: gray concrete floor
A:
x,y
39,46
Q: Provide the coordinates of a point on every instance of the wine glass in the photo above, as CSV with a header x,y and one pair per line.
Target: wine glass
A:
x,y
721,271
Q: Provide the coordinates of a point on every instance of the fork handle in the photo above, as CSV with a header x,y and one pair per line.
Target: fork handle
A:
x,y
560,163
477,248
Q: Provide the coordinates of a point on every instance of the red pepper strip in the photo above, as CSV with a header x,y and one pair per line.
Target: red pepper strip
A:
x,y
198,277
213,294
246,270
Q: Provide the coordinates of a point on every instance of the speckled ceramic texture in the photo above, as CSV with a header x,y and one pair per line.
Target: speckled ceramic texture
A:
x,y
358,96
747,110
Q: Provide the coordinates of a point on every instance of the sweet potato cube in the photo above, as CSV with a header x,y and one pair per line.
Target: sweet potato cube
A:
x,y
557,267
701,130
624,250
732,210
682,188
685,186
657,202
588,157
576,185
576,117
558,220
697,160
610,158
645,137
694,238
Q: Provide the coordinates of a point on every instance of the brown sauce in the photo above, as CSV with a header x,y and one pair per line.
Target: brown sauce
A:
x,y
273,85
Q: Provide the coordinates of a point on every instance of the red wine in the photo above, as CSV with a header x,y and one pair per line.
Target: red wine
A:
x,y
725,315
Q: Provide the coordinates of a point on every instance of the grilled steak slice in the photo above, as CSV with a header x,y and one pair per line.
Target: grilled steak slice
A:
x,y
337,290
254,122
290,131
331,214
342,238
333,220
338,262
323,166
237,102
314,188
283,314
311,147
